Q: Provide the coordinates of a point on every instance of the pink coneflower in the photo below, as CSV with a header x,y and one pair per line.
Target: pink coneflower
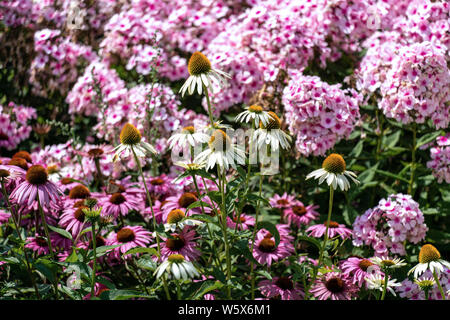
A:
x,y
11,175
74,220
182,201
333,285
181,243
130,237
36,183
39,244
157,211
282,288
265,250
119,204
318,230
4,216
357,269
160,185
300,215
245,220
281,202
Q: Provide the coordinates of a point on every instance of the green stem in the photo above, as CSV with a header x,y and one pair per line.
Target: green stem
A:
x,y
325,239
149,199
439,285
211,119
253,238
178,290
222,182
30,272
94,266
386,279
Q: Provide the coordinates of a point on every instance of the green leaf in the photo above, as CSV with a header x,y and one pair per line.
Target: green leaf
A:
x,y
142,250
391,140
207,286
146,262
121,295
311,240
244,249
62,232
100,251
356,151
367,175
391,175
47,268
427,138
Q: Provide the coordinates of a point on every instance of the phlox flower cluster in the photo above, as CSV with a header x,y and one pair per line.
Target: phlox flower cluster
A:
x,y
318,114
14,124
440,159
385,227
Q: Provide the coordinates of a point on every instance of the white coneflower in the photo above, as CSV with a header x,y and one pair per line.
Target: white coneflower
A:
x,y
425,284
131,140
188,135
377,282
178,267
176,218
429,259
272,134
202,74
388,263
333,171
255,113
221,152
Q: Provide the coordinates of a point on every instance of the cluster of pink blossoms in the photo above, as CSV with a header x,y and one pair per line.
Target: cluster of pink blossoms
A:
x,y
14,124
386,226
318,114
440,159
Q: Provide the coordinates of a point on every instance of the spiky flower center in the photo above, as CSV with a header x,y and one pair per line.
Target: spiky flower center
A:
x,y
189,129
4,173
117,198
175,243
425,284
255,108
52,169
37,175
157,182
364,264
18,162
176,258
65,181
267,245
79,214
274,122
283,202
241,219
285,283
333,224
95,152
79,192
334,163
219,141
299,210
175,216
125,235
429,253
23,155
198,64
130,135
335,285
41,242
388,263
187,199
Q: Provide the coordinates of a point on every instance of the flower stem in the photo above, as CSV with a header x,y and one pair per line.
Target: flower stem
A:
x,y
211,119
439,285
325,239
149,199
222,181
94,266
253,238
386,279
5,195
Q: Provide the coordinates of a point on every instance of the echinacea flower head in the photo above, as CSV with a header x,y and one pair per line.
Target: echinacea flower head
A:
x,y
202,74
333,171
282,288
425,284
177,219
130,237
334,229
36,184
358,269
221,152
388,263
188,136
255,113
376,281
131,140
429,259
272,134
334,285
177,266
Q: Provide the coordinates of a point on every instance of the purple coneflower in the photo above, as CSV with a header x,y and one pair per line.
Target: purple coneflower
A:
x,y
181,243
119,204
282,288
281,202
318,230
245,221
300,215
357,269
73,219
36,184
130,237
334,285
266,251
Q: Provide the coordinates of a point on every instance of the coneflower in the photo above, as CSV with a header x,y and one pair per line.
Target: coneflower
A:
x,y
131,143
